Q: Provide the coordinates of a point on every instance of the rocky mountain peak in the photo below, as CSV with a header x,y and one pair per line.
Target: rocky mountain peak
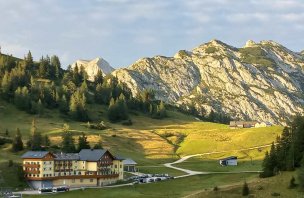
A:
x,y
93,66
263,83
250,43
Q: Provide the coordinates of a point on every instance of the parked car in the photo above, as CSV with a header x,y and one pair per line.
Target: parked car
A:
x,y
61,189
45,190
158,179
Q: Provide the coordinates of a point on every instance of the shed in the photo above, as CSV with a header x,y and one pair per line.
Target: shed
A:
x,y
229,161
129,165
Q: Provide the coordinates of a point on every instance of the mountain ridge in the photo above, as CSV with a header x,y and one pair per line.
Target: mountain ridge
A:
x,y
261,81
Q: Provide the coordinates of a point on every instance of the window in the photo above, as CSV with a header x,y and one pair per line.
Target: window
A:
x,y
120,166
115,166
44,169
73,180
50,168
91,180
81,180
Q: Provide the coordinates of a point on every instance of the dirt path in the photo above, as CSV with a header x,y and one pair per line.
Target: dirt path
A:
x,y
190,172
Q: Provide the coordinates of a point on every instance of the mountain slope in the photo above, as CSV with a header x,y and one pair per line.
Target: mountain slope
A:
x,y
92,67
261,81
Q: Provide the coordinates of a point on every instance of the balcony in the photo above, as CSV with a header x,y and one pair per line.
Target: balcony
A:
x,y
32,172
31,165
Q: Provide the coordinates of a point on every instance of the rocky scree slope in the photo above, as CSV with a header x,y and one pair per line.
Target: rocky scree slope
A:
x,y
261,81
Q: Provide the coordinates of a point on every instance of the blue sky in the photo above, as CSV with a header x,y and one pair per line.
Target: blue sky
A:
x,y
122,31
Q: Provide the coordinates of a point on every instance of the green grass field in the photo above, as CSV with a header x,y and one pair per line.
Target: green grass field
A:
x,y
173,188
248,160
151,142
260,188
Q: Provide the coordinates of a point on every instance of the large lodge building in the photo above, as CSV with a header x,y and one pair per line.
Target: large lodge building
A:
x,y
89,167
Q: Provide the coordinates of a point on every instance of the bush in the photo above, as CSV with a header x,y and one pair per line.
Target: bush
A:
x,y
210,50
100,126
215,188
292,183
127,123
275,194
10,163
5,140
245,190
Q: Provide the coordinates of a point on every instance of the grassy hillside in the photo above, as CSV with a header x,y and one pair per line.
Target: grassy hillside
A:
x,y
150,142
173,188
259,188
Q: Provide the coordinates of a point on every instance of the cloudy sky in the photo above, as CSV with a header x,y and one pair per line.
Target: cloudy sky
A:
x,y
122,31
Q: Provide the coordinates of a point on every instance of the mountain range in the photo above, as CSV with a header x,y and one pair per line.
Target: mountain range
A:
x,y
261,81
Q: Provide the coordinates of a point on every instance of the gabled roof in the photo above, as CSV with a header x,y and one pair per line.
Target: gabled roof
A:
x,y
35,154
66,156
129,161
229,158
91,154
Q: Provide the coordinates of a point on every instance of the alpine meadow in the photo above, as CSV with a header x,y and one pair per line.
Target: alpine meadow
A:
x,y
130,99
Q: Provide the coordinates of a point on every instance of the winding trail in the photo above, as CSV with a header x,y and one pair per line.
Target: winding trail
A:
x,y
191,172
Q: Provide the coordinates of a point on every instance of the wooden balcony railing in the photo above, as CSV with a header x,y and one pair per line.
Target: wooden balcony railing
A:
x,y
31,165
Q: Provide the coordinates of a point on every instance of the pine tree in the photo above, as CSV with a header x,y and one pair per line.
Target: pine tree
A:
x,y
40,108
36,138
112,111
78,106
46,141
98,79
63,105
301,175
83,143
55,62
162,110
17,144
67,144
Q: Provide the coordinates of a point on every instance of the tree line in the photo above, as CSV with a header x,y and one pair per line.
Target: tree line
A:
x,y
287,153
36,86
38,142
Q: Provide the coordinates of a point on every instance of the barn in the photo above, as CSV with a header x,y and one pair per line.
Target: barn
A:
x,y
229,161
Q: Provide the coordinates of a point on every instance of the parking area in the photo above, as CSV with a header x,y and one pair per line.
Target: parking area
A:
x,y
149,178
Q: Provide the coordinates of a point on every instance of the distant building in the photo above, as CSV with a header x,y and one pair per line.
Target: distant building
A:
x,y
89,167
229,161
248,124
129,165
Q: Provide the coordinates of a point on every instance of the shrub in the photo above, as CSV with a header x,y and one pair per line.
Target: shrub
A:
x,y
127,123
5,140
210,50
215,188
275,194
292,183
245,190
10,163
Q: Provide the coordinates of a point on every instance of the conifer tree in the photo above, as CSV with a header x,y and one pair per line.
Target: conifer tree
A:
x,y
46,141
36,138
98,79
67,144
301,175
63,105
83,143
17,144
